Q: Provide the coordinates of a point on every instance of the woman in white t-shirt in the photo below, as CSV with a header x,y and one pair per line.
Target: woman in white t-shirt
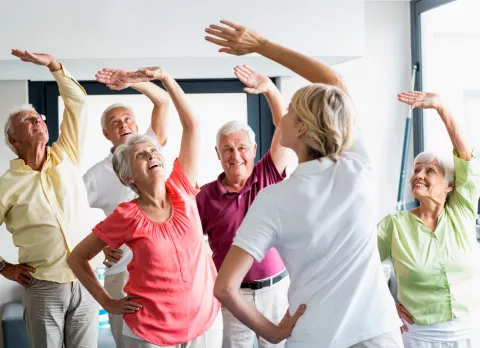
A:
x,y
320,220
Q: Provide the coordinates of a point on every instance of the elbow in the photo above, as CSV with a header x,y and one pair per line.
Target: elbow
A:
x,y
223,292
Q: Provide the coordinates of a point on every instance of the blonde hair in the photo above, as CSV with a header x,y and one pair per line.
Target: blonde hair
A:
x,y
329,118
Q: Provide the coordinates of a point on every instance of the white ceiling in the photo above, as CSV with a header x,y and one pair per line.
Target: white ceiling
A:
x,y
90,34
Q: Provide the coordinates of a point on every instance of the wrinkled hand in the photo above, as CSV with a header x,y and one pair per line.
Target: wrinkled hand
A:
x,y
423,100
235,39
285,327
35,58
113,78
22,274
141,75
403,314
112,256
123,305
256,82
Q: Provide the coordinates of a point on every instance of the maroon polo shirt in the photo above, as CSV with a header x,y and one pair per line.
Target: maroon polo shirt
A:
x,y
222,212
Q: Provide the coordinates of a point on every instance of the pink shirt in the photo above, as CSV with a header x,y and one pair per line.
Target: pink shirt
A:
x,y
222,213
171,271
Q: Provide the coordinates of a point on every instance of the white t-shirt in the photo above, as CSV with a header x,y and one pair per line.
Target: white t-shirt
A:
x,y
106,192
321,221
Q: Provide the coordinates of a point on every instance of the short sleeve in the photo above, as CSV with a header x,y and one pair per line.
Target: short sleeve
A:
x,y
90,184
118,228
384,237
465,194
267,172
260,229
179,179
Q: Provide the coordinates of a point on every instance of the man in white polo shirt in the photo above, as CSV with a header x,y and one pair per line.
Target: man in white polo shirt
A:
x,y
104,189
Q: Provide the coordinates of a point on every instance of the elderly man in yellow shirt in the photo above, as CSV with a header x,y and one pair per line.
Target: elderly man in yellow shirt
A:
x,y
41,199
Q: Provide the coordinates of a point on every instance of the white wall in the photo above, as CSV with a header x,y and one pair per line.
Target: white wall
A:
x,y
373,82
12,93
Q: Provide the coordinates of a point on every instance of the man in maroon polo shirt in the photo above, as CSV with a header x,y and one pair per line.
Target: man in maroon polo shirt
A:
x,y
223,204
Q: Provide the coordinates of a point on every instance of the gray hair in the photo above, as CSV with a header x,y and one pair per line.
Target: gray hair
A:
x,y
121,158
110,108
445,164
8,125
234,127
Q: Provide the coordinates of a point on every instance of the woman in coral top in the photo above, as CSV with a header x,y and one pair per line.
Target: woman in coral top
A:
x,y
170,299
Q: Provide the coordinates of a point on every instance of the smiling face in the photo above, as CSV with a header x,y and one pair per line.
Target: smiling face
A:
x,y
27,128
237,156
119,126
428,181
146,164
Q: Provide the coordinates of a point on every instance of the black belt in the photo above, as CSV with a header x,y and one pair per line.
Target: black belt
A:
x,y
260,284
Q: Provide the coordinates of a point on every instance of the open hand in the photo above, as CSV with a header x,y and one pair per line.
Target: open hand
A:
x,y
423,100
123,305
285,327
35,58
22,274
112,256
403,314
112,78
256,82
234,39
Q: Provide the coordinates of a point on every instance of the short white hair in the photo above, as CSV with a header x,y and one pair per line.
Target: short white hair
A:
x,y
121,158
110,108
445,164
234,127
8,125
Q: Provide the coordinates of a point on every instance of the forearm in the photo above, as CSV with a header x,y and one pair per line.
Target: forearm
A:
x,y
54,65
156,94
179,99
248,314
85,275
277,106
160,100
458,138
309,68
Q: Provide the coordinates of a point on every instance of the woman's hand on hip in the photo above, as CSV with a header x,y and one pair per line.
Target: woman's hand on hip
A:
x,y
123,305
404,315
285,327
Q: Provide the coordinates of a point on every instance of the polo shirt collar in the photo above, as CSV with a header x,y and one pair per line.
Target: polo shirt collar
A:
x,y
248,185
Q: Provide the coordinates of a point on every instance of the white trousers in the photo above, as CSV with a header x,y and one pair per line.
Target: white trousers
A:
x,y
417,343
210,339
391,339
271,301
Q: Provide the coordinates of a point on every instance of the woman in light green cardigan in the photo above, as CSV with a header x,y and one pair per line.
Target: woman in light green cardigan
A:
x,y
433,247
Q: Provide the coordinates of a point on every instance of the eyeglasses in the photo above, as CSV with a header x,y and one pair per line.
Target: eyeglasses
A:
x,y
33,118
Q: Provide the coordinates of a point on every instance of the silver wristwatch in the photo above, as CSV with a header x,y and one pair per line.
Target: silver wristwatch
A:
x,y
2,265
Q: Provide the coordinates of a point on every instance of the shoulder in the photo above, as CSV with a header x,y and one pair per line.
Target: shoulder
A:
x,y
207,191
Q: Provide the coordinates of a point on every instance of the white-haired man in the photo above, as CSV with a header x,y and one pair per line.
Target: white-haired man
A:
x,y
104,189
41,202
223,204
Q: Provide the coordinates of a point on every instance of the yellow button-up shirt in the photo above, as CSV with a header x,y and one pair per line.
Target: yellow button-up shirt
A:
x,y
42,209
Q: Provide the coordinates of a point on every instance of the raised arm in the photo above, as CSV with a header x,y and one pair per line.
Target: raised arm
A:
x,y
238,40
157,96
258,83
427,100
188,158
73,95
